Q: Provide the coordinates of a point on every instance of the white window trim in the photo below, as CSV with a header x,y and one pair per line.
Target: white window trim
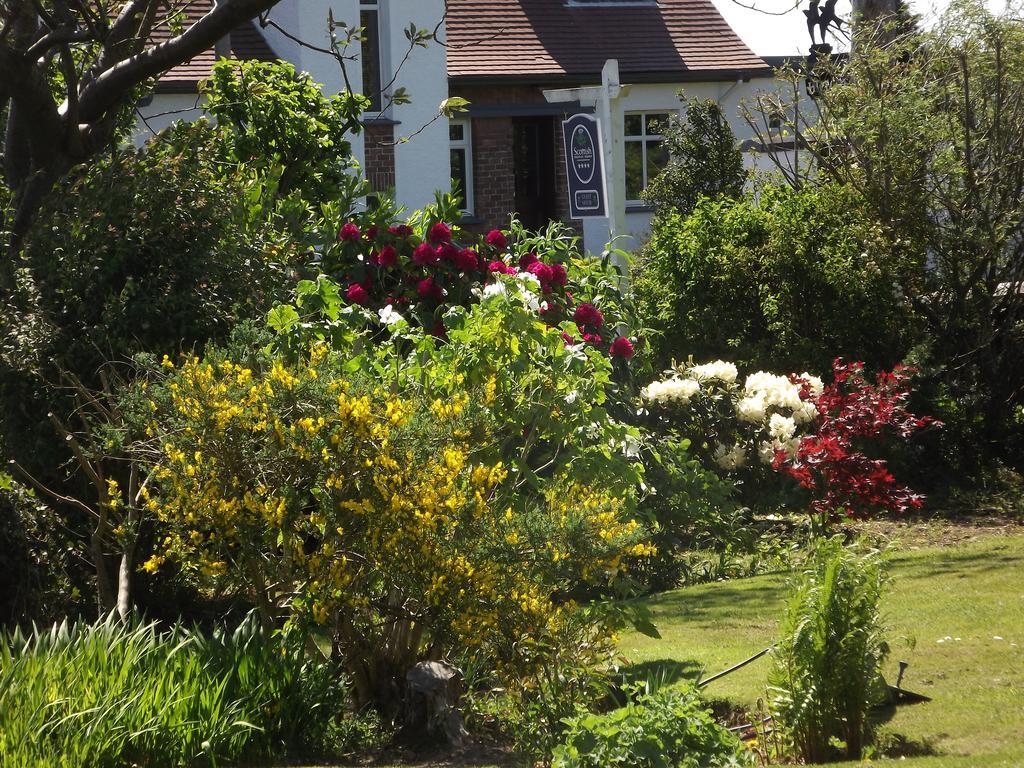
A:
x,y
643,139
383,54
466,144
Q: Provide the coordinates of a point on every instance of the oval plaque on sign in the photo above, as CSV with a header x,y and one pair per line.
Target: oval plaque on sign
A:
x,y
583,154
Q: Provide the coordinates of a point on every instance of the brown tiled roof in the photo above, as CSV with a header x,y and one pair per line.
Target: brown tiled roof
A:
x,y
552,40
246,43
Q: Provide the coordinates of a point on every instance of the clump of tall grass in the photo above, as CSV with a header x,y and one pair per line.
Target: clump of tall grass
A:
x,y
827,671
110,693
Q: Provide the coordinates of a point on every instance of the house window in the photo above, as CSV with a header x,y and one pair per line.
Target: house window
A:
x,y
645,151
460,142
369,20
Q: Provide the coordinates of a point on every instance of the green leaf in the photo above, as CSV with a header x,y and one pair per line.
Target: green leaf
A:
x,y
282,317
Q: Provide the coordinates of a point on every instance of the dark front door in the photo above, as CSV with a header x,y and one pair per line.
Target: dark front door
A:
x,y
534,166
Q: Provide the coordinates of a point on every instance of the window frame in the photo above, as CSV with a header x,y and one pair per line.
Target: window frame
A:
x,y
643,139
377,97
465,144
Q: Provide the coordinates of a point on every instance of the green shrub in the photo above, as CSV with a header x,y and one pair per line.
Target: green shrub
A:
x,y
159,249
827,671
704,160
668,729
786,280
110,694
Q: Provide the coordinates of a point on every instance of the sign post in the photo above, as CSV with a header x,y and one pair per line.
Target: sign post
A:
x,y
607,221
584,165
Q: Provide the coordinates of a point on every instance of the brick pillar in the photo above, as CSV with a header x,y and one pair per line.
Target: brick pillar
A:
x,y
494,189
379,167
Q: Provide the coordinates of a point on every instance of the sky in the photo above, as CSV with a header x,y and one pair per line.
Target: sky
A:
x,y
786,34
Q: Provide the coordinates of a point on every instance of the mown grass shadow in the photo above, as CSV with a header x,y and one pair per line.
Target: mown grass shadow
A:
x,y
963,564
752,598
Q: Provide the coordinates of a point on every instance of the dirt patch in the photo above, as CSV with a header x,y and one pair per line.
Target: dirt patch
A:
x,y
919,532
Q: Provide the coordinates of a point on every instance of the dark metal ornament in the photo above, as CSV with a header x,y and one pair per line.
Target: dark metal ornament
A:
x,y
822,17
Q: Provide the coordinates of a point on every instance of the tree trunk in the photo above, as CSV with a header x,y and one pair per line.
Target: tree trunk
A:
x,y
105,594
881,21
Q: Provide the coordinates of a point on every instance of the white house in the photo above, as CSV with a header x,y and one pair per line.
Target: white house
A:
x,y
506,57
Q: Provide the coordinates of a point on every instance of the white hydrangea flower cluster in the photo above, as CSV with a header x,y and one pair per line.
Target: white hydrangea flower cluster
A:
x,y
769,404
764,391
673,390
719,369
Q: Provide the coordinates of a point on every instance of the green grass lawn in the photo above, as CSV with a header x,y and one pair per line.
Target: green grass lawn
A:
x,y
971,593
971,590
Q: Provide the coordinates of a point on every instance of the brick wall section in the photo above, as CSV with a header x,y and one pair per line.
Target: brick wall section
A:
x,y
493,180
494,188
380,156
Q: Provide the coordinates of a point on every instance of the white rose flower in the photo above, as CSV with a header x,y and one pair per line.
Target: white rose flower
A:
x,y
817,385
531,300
497,288
719,369
806,413
751,409
781,427
777,391
671,390
767,449
791,446
389,316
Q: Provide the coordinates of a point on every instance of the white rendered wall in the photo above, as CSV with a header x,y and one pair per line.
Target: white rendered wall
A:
x,y
422,164
664,97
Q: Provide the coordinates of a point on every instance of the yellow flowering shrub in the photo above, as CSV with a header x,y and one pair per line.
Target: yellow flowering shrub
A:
x,y
325,496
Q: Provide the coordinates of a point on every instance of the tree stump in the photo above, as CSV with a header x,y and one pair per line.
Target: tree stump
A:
x,y
433,690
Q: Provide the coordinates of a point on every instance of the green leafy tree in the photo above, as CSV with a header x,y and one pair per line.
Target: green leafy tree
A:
x,y
156,250
925,132
274,115
787,279
704,160
69,74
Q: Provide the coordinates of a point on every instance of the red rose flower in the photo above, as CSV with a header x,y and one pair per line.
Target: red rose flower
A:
x,y
543,273
447,252
388,256
559,275
349,232
569,340
425,287
440,233
467,260
501,268
622,347
400,230
527,259
371,232
587,314
424,255
496,239
357,294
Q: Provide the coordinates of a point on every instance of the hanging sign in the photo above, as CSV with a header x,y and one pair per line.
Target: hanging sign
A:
x,y
584,166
